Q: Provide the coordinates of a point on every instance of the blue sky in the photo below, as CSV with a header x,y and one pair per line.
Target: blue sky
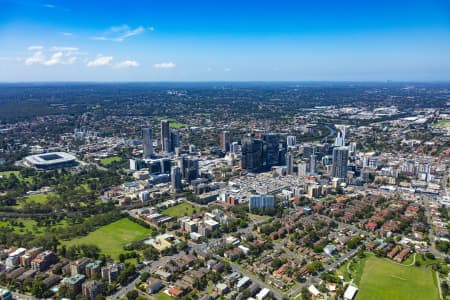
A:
x,y
224,40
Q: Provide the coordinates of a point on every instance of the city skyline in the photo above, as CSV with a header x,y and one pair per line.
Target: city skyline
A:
x,y
203,41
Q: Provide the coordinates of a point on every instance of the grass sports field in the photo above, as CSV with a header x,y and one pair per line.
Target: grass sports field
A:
x,y
180,210
385,280
112,237
109,160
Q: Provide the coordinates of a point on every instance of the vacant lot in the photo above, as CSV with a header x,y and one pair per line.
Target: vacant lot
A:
x,y
383,279
180,210
112,237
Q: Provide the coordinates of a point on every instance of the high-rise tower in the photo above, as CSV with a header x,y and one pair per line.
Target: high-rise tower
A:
x,y
147,134
340,161
165,136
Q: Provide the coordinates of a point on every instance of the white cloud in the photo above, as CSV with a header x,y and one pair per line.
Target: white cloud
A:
x,y
53,56
49,5
120,28
67,33
119,33
38,57
34,48
131,33
165,65
100,61
55,59
100,38
63,48
127,64
227,69
151,28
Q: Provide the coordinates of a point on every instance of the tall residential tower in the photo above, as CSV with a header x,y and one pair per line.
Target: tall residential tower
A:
x,y
147,134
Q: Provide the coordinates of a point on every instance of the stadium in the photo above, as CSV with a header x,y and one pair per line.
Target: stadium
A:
x,y
52,160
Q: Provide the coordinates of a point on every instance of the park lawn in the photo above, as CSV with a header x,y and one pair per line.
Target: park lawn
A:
x,y
383,279
173,123
31,226
6,174
163,296
177,125
356,267
180,210
112,237
28,225
37,198
258,217
442,123
85,186
409,260
109,160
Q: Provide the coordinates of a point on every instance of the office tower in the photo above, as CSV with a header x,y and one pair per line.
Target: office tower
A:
x,y
312,164
189,167
282,150
289,163
327,160
235,147
340,160
174,140
291,141
225,140
192,170
134,166
338,141
252,154
148,142
308,150
320,150
165,136
301,169
177,151
159,166
340,137
353,149
370,162
271,150
175,175
183,164
192,149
